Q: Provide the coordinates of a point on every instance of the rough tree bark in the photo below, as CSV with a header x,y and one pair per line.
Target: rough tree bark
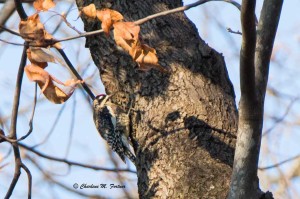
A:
x,y
184,123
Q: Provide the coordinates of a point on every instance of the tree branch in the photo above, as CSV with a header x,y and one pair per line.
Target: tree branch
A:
x,y
29,176
244,176
71,163
49,177
254,64
13,126
6,11
266,32
10,31
148,18
279,163
20,10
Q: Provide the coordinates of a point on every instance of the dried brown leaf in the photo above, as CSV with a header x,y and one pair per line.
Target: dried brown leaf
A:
x,y
146,57
33,31
108,17
126,34
90,11
43,5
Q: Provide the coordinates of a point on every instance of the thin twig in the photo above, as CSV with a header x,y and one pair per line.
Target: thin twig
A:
x,y
279,163
32,116
279,120
30,123
181,9
150,17
10,31
71,163
12,43
143,20
49,177
234,32
29,176
64,19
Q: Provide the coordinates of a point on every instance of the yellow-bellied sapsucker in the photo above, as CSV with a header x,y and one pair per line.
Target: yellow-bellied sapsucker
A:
x,y
112,126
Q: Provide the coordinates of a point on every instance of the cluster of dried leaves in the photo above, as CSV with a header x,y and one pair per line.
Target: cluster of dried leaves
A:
x,y
33,32
126,35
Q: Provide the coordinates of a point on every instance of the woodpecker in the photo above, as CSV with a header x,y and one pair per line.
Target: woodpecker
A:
x,y
111,127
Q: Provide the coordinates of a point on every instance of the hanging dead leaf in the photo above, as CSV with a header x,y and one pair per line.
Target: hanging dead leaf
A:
x,y
47,86
39,64
126,34
108,17
55,94
33,31
32,28
90,11
41,55
39,75
43,5
146,57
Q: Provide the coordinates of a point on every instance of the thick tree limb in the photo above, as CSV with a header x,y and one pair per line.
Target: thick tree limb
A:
x,y
244,182
244,177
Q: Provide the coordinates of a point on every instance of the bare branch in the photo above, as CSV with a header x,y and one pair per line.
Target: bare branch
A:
x,y
279,163
71,163
244,176
29,179
13,43
254,74
148,18
20,10
279,120
266,32
49,177
234,32
10,31
30,124
13,126
64,19
6,11
181,9
31,118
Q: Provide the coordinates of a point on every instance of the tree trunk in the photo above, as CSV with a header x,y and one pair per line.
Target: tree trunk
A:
x,y
183,124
